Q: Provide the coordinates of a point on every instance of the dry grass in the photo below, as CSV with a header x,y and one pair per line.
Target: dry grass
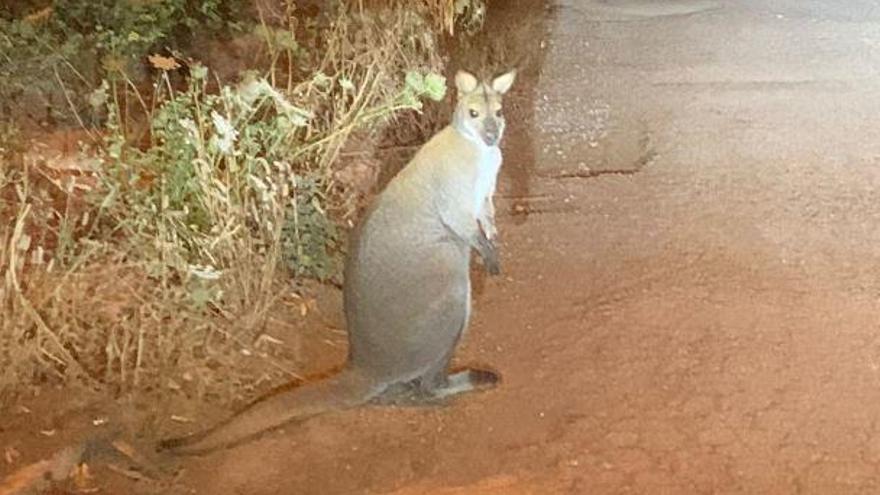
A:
x,y
100,320
445,15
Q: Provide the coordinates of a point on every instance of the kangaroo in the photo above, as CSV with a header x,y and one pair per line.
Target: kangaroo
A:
x,y
407,291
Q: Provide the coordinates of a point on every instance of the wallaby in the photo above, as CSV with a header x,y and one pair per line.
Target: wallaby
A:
x,y
407,284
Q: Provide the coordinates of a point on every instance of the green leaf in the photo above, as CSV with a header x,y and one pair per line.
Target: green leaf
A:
x,y
415,81
198,71
98,98
201,296
286,39
346,84
321,80
435,86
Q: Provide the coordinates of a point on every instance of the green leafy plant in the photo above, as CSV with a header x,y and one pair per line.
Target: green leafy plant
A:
x,y
243,165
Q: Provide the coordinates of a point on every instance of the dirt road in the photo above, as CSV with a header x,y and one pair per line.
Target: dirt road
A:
x,y
708,324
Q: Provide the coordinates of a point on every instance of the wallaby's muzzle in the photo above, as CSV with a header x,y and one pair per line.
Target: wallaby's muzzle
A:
x,y
491,132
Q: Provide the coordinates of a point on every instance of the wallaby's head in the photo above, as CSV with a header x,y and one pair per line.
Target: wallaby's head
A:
x,y
478,112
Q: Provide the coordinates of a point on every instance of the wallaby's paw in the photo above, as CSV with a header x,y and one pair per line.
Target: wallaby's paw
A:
x,y
493,266
488,253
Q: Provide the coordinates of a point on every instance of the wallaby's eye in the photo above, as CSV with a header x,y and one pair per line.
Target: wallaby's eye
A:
x,y
474,114
498,113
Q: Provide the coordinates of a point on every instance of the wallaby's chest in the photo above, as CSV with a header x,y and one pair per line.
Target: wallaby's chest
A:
x,y
486,175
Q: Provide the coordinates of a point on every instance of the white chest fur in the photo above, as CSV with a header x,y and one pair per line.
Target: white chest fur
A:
x,y
487,175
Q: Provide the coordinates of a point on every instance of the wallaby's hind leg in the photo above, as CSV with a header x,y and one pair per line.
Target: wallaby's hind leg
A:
x,y
436,384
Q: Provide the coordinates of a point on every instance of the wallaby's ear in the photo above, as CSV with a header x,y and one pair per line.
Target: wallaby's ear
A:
x,y
503,82
465,82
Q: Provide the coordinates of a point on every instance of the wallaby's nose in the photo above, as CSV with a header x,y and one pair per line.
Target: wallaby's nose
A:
x,y
491,132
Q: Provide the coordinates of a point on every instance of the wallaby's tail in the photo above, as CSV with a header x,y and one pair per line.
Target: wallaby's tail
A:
x,y
346,389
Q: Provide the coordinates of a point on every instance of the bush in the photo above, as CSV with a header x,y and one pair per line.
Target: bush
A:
x,y
241,167
64,50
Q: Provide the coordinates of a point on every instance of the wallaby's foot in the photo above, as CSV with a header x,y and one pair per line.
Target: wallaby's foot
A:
x,y
467,380
420,392
429,393
489,253
410,394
